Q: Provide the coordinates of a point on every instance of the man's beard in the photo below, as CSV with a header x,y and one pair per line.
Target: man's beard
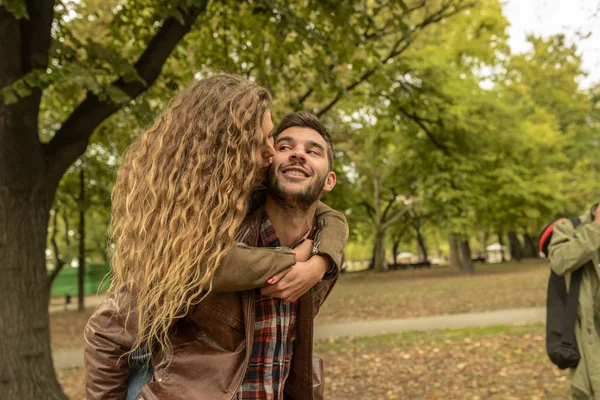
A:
x,y
297,200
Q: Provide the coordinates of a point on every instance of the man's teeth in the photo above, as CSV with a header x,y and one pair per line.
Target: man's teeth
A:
x,y
295,173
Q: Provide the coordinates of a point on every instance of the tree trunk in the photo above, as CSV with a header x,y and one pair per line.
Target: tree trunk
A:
x,y
103,246
501,243
455,263
486,236
395,250
81,266
379,251
58,260
465,258
422,248
379,247
26,369
29,175
530,250
515,246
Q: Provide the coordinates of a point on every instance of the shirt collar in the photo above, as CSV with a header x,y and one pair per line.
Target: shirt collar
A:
x,y
270,238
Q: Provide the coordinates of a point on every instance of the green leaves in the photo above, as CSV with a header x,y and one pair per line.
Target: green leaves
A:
x,y
403,5
439,114
36,79
9,96
17,8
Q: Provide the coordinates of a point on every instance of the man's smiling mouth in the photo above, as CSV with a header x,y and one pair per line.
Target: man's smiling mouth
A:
x,y
295,172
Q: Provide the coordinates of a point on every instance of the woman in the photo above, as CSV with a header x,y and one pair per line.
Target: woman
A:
x,y
181,195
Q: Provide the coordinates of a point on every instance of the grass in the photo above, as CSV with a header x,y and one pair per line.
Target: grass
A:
x,y
436,291
491,363
397,294
66,329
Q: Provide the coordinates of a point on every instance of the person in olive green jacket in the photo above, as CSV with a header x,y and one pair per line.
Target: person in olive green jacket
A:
x,y
570,249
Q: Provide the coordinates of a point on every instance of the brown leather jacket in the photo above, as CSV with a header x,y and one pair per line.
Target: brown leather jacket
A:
x,y
211,345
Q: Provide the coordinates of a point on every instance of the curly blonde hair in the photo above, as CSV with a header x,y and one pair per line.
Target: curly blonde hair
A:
x,y
179,197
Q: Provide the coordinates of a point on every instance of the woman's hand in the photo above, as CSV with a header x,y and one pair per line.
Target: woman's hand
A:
x,y
291,284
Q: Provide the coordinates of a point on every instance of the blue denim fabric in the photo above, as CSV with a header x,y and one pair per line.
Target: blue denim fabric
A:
x,y
141,372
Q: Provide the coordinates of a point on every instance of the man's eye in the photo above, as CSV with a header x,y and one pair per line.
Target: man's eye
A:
x,y
284,147
313,152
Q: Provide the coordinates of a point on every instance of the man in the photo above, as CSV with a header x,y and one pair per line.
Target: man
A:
x,y
255,344
300,172
570,249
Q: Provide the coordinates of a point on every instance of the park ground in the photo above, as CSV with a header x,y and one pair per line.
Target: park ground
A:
x,y
501,362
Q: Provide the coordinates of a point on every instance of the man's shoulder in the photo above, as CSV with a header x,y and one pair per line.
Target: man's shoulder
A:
x,y
571,223
563,226
569,226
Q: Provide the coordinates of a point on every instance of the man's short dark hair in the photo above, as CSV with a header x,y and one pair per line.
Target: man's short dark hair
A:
x,y
306,120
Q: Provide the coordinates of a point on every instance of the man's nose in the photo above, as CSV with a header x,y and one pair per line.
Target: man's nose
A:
x,y
298,155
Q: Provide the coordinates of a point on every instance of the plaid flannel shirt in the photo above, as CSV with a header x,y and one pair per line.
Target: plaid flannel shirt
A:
x,y
274,334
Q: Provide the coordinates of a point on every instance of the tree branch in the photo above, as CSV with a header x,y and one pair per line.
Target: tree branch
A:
x,y
395,218
36,39
370,210
305,96
415,118
380,33
396,50
71,140
36,34
397,237
66,221
25,42
347,89
389,205
10,54
59,262
416,223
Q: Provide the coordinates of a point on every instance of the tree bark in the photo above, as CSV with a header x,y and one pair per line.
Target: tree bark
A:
x,y
58,260
455,263
379,251
395,248
515,246
530,250
466,260
81,266
486,236
422,248
501,243
379,247
26,369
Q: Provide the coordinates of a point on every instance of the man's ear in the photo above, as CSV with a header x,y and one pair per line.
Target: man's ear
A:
x,y
330,181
